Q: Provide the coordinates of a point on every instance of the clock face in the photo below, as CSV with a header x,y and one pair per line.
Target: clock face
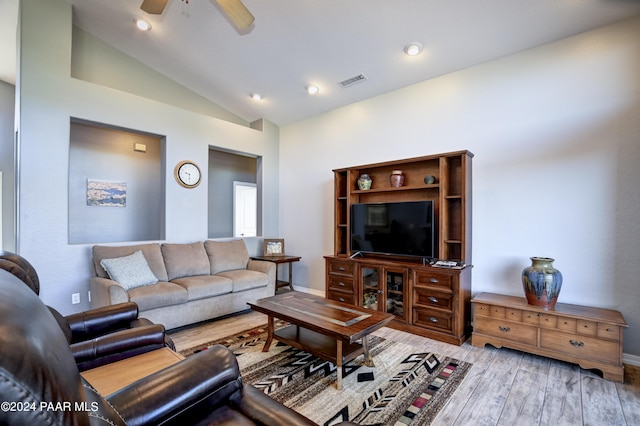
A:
x,y
188,174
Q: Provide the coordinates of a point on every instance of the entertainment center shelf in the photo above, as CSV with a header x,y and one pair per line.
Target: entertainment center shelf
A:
x,y
433,302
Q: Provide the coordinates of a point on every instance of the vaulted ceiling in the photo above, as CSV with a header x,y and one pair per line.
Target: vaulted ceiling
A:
x,y
295,43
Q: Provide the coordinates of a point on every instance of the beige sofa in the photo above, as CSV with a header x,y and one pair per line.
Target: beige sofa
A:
x,y
180,284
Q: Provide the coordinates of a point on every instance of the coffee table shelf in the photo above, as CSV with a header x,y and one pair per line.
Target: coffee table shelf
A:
x,y
322,346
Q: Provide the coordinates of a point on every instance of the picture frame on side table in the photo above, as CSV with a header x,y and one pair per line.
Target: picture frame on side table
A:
x,y
273,247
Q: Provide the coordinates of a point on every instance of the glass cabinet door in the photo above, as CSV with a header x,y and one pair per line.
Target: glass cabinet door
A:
x,y
370,288
396,284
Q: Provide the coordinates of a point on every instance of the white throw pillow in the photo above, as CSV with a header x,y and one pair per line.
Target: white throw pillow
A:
x,y
129,271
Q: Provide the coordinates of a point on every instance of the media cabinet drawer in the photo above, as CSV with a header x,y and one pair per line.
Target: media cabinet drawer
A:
x,y
516,332
429,318
579,346
337,282
342,297
340,267
434,279
430,297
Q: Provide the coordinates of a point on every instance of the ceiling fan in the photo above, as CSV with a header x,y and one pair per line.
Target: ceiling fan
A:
x,y
235,10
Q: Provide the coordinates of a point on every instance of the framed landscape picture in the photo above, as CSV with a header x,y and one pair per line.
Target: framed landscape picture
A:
x,y
273,247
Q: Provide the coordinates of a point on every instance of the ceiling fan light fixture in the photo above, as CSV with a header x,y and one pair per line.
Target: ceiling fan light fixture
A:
x,y
413,48
312,89
142,24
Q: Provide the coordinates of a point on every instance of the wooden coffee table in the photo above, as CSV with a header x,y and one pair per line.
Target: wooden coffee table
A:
x,y
325,328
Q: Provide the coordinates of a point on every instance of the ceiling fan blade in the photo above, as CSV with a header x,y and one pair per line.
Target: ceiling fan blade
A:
x,y
154,7
237,12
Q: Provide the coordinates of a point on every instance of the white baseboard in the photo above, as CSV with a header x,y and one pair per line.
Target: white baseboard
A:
x,y
310,291
631,359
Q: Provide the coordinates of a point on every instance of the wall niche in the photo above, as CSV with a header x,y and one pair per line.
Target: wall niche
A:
x,y
116,191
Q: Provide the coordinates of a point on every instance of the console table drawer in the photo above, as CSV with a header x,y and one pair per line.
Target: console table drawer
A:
x,y
516,332
341,297
583,347
340,267
429,297
337,282
433,279
433,319
609,331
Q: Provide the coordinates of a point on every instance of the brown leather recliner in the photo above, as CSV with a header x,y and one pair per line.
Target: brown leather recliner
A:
x,y
40,382
98,336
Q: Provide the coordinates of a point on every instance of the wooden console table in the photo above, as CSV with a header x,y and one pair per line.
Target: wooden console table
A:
x,y
278,260
590,337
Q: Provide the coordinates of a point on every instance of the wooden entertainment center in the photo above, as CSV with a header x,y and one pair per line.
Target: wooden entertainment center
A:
x,y
430,301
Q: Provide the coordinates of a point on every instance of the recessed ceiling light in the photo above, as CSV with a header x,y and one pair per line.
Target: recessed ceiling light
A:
x,y
256,96
312,89
142,24
413,49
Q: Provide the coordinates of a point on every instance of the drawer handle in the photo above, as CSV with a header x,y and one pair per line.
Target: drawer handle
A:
x,y
432,299
341,284
576,343
433,319
504,329
341,299
433,280
341,268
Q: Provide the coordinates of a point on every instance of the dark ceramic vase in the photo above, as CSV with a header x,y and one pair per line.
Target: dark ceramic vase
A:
x,y
542,282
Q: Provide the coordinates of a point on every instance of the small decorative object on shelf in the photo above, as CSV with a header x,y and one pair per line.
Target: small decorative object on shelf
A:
x,y
542,282
396,178
364,182
429,179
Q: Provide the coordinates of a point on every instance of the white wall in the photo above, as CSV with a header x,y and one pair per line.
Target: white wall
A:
x,y
49,97
555,132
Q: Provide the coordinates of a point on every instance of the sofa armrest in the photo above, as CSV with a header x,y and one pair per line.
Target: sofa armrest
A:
x,y
265,267
98,321
182,392
106,292
150,337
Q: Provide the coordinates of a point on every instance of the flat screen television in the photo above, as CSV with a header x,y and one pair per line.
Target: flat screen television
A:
x,y
398,228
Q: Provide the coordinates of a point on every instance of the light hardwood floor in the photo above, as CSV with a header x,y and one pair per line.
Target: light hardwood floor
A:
x,y
504,387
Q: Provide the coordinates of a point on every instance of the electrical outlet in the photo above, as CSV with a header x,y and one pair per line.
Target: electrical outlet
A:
x,y
75,298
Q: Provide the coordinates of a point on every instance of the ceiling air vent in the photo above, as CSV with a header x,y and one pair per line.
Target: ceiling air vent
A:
x,y
353,80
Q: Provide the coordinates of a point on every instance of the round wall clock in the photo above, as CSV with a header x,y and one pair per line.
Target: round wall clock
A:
x,y
188,174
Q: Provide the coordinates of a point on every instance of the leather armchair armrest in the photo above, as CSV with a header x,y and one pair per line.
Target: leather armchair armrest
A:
x,y
118,342
182,393
101,320
265,411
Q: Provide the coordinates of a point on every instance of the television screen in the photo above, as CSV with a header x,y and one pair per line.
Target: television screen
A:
x,y
403,228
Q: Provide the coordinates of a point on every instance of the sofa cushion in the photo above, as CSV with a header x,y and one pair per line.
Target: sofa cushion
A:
x,y
203,286
226,255
129,271
244,279
151,252
185,260
158,295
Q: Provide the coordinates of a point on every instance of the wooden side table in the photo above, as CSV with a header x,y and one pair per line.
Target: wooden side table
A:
x,y
111,377
278,260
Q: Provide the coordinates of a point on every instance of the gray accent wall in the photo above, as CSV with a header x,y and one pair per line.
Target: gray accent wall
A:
x,y
50,98
7,132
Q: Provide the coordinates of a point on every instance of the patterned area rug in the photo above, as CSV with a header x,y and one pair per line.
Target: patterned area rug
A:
x,y
406,386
